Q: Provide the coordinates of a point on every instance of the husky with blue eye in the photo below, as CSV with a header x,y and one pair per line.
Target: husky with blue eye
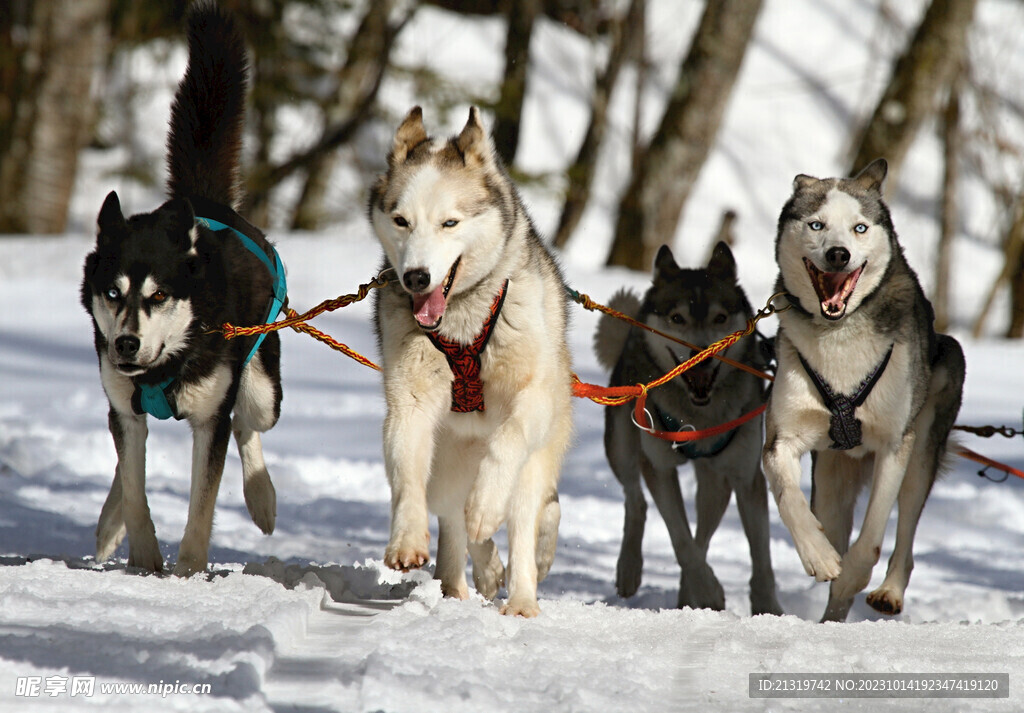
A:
x,y
864,383
159,285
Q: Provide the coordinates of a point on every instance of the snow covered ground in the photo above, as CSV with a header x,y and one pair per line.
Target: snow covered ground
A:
x,y
308,619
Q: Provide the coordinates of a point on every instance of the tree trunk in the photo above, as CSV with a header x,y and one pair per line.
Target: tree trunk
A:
x,y
626,36
1015,274
652,206
47,108
509,110
358,98
1012,271
922,73
366,60
950,210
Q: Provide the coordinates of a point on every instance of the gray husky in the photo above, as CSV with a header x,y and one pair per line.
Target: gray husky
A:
x,y
699,306
475,363
863,382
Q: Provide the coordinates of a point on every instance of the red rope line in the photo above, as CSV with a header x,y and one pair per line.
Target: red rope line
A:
x,y
985,460
604,395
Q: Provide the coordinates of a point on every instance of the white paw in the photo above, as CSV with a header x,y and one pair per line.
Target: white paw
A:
x,y
819,557
483,516
526,607
406,551
489,576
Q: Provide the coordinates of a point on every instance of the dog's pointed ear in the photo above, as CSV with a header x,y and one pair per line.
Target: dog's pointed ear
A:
x,y
873,175
473,143
180,222
803,181
722,264
111,222
664,261
409,135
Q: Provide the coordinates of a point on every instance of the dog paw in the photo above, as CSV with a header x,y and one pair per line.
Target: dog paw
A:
x,y
145,554
483,518
455,591
526,607
699,588
108,539
407,552
261,501
187,565
628,575
489,575
886,601
818,556
765,603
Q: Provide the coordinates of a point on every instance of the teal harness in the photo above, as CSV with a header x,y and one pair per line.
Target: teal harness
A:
x,y
157,399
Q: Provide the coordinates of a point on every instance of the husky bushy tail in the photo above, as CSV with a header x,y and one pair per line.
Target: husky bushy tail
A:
x,y
611,334
155,283
204,145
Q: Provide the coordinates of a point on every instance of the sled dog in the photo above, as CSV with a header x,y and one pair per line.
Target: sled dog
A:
x,y
699,306
159,284
475,363
863,382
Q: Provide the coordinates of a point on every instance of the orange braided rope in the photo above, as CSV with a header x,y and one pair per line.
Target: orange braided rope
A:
x,y
587,303
298,322
617,395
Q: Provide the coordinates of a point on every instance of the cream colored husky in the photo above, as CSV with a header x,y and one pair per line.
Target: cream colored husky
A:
x,y
476,367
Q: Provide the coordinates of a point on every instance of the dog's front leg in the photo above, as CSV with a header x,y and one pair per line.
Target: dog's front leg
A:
x,y
512,443
890,467
781,461
129,432
408,451
209,448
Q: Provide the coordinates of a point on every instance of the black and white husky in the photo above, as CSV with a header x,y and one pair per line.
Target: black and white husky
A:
x,y
699,306
864,383
158,285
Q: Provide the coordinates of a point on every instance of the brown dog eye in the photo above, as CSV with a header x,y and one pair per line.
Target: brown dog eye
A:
x,y
401,222
677,319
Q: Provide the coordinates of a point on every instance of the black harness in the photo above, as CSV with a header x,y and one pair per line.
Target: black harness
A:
x,y
845,428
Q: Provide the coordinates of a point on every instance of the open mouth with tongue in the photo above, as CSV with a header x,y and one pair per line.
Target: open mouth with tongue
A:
x,y
428,307
699,378
833,288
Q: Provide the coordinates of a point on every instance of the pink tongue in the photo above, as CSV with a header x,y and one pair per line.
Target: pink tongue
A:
x,y
427,309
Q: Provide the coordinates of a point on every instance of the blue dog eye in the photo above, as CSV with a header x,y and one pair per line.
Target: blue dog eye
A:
x,y
860,228
816,225
450,223
113,294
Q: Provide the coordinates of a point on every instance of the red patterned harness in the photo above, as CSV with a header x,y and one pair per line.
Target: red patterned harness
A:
x,y
464,361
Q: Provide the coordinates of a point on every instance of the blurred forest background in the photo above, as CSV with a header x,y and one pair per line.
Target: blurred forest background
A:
x,y
66,76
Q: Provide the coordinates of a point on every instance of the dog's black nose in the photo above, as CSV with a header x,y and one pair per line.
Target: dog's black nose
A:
x,y
127,346
837,258
416,280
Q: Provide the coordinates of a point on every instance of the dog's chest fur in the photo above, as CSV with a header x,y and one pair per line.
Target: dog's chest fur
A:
x,y
844,356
